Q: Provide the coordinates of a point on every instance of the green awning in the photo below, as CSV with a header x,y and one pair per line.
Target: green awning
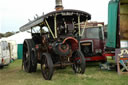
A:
x,y
112,24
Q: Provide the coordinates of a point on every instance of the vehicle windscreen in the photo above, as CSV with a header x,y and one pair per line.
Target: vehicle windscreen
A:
x,y
4,45
95,33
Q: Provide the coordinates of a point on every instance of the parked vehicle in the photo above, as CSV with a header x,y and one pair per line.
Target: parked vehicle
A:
x,y
55,42
117,32
4,54
92,44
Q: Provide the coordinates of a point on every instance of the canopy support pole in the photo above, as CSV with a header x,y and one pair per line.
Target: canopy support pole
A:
x,y
55,28
49,29
79,25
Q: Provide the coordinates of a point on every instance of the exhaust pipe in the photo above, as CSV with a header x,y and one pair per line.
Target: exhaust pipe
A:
x,y
59,5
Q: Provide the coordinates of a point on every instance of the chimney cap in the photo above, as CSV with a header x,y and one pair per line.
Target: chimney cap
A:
x,y
59,5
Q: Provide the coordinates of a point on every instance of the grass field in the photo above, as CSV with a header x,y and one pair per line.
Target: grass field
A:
x,y
13,75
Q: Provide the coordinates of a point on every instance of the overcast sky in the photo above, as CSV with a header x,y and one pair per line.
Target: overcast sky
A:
x,y
15,13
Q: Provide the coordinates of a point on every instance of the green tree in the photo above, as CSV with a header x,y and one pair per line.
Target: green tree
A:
x,y
1,35
7,34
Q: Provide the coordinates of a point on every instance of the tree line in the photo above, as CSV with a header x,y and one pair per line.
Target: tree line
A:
x,y
7,34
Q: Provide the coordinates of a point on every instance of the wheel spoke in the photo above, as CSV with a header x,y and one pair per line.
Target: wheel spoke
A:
x,y
47,66
79,65
26,61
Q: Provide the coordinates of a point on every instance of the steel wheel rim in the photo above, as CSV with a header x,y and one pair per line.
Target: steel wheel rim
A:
x,y
45,68
26,58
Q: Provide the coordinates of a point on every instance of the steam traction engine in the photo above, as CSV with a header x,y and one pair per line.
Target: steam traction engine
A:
x,y
55,42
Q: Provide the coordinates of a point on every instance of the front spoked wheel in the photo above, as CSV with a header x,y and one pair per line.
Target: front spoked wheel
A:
x,y
47,66
79,62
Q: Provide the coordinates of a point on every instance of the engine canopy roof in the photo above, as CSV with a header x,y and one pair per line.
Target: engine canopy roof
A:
x,y
66,14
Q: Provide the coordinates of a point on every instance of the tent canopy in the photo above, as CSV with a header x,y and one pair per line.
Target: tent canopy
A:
x,y
20,37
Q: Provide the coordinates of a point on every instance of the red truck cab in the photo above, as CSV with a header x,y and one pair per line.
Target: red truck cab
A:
x,y
92,43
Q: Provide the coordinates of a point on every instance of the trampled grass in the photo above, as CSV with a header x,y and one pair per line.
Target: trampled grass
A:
x,y
13,75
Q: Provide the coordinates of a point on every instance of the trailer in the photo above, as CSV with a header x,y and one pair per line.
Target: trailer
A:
x,y
117,34
117,31
4,54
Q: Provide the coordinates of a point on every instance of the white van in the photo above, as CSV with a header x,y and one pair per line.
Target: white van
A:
x,y
4,54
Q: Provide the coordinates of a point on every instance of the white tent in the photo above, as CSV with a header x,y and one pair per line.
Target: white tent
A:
x,y
20,37
12,49
3,39
15,43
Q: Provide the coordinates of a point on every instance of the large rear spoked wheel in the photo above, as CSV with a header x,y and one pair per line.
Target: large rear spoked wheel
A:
x,y
47,66
29,61
79,62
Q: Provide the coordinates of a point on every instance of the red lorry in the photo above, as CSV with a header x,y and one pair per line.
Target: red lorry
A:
x,y
92,44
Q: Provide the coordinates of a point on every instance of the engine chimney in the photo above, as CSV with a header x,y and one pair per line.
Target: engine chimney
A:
x,y
59,5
